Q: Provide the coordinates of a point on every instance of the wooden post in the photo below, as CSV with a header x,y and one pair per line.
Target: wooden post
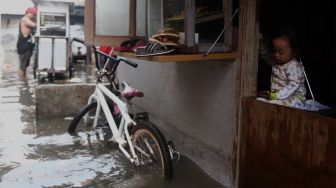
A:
x,y
189,25
227,10
245,70
89,21
132,13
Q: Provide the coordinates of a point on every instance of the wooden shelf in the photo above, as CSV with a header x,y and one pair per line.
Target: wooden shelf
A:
x,y
228,56
201,19
209,18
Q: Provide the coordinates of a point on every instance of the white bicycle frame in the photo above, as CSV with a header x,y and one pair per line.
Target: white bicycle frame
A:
x,y
126,121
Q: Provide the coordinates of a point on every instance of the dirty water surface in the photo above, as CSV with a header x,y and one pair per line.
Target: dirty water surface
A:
x,y
38,152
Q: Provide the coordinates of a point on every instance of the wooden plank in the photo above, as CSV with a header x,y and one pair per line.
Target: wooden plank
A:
x,y
189,25
183,57
132,29
287,147
89,21
227,11
209,18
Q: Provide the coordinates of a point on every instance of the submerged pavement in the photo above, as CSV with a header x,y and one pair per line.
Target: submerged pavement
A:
x,y
38,152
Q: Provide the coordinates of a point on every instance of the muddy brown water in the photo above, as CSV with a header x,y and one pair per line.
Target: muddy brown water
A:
x,y
38,152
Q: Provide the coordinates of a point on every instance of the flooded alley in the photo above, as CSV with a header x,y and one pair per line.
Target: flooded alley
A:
x,y
38,152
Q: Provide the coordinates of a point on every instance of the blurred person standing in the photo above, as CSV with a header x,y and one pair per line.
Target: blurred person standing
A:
x,y
25,44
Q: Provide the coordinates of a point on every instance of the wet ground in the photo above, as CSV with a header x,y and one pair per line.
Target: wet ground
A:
x,y
40,153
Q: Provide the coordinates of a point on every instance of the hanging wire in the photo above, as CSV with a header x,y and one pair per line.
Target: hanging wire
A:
x,y
225,28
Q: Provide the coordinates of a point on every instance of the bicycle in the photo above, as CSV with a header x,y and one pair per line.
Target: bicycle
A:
x,y
138,139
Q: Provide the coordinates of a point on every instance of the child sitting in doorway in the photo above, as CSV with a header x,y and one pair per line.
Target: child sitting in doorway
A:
x,y
287,79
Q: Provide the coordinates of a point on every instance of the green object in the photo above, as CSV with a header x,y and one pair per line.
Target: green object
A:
x,y
273,96
42,20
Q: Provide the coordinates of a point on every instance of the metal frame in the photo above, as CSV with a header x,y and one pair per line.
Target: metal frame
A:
x,y
121,135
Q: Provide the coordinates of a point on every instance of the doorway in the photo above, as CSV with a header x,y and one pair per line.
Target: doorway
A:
x,y
314,24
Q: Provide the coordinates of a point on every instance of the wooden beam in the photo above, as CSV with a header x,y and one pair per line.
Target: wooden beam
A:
x,y
245,75
227,57
227,11
132,28
89,21
189,25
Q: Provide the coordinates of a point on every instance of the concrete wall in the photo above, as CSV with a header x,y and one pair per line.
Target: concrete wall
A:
x,y
61,100
193,104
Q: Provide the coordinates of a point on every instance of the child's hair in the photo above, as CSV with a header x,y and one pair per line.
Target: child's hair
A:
x,y
289,35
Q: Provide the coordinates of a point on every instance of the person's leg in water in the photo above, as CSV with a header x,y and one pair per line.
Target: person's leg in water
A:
x,y
24,63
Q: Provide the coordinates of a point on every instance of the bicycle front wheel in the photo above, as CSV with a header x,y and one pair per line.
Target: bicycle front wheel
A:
x,y
83,121
152,149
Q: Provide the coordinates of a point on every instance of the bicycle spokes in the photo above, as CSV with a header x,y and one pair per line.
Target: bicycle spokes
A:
x,y
147,150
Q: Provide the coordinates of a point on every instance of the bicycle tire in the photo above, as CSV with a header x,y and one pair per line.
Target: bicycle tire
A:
x,y
160,149
74,123
77,124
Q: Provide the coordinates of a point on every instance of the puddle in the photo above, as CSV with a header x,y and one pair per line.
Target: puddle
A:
x,y
40,153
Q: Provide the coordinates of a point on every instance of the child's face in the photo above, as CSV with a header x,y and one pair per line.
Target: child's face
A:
x,y
282,51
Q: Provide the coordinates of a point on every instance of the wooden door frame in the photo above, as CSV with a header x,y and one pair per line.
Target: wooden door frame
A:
x,y
245,70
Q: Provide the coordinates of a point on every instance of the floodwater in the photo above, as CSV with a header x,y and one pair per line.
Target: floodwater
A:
x,y
38,152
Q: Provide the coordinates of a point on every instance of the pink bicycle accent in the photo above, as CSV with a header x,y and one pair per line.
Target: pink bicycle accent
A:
x,y
131,92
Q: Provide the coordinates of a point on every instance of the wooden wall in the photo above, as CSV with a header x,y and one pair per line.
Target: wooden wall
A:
x,y
286,147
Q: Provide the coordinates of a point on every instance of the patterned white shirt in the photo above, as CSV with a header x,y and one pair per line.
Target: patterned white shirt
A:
x,y
287,81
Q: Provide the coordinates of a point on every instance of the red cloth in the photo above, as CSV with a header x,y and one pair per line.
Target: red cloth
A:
x,y
31,10
131,45
123,49
105,49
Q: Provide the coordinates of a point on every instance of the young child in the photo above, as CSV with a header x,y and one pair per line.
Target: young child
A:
x,y
287,79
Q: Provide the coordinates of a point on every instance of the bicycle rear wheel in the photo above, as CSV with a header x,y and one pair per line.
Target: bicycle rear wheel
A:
x,y
152,149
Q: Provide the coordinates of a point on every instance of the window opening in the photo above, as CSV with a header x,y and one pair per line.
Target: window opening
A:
x,y
53,24
209,14
112,17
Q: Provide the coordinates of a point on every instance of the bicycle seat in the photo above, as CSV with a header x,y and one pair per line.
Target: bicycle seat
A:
x,y
130,92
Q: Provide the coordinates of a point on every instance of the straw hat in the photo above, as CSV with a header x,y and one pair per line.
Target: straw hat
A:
x,y
168,33
165,42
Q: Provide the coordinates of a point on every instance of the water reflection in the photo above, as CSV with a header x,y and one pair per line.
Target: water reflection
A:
x,y
12,125
40,153
27,99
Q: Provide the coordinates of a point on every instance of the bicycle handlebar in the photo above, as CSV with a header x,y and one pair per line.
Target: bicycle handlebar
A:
x,y
131,63
106,55
118,59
